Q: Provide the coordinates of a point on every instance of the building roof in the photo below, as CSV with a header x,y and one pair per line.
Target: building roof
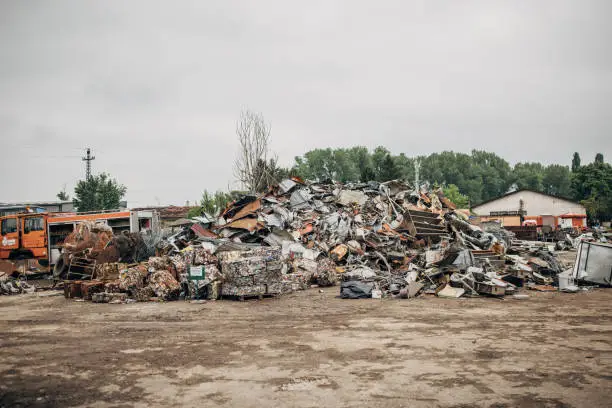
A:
x,y
33,204
526,189
170,212
573,215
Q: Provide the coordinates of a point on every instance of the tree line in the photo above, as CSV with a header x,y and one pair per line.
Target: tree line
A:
x,y
478,176
467,179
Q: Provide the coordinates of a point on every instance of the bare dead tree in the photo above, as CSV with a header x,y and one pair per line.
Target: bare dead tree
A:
x,y
250,166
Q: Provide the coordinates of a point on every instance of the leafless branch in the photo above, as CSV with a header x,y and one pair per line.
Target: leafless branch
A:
x,y
250,166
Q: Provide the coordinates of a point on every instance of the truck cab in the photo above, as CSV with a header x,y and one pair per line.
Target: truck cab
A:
x,y
23,236
35,235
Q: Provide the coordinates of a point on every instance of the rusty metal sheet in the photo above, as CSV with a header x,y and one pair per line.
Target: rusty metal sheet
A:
x,y
235,207
6,267
307,229
74,289
202,232
448,203
387,230
249,224
250,208
542,288
88,288
339,252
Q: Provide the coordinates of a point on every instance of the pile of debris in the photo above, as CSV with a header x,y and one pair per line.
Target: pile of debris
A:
x,y
20,276
93,244
14,286
374,239
380,239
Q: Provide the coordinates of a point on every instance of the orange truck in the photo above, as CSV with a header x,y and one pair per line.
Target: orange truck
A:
x,y
41,235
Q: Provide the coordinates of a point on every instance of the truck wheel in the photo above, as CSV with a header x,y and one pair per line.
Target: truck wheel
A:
x,y
59,270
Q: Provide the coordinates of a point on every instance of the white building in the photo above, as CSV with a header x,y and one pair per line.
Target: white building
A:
x,y
531,203
47,206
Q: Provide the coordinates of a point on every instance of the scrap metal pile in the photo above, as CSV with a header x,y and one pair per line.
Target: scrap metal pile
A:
x,y
385,239
92,245
19,277
373,239
13,286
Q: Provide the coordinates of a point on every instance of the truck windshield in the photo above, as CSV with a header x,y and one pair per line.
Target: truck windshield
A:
x,y
9,225
33,224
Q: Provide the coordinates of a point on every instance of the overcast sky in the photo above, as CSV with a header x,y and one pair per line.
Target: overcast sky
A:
x,y
155,87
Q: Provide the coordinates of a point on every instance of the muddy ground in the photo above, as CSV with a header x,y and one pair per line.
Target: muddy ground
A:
x,y
309,349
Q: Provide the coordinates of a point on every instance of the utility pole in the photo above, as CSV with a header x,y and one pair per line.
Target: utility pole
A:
x,y
88,160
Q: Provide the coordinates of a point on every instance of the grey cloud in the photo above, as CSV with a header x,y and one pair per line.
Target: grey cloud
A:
x,y
155,87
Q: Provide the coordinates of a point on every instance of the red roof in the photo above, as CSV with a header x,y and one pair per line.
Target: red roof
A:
x,y
170,212
573,215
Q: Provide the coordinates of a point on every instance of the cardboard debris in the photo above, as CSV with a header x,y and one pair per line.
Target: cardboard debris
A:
x,y
414,288
451,292
348,197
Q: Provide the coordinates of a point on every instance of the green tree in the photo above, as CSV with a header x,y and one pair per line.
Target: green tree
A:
x,y
452,193
480,175
353,164
331,164
405,167
317,164
63,195
557,180
388,170
495,173
380,163
362,159
599,158
100,192
214,204
596,209
575,162
195,212
345,167
267,174
592,186
529,176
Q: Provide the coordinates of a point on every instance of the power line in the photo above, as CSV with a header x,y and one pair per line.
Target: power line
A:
x,y
37,147
54,157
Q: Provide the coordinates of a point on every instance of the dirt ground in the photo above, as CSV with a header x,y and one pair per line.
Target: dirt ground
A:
x,y
308,349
